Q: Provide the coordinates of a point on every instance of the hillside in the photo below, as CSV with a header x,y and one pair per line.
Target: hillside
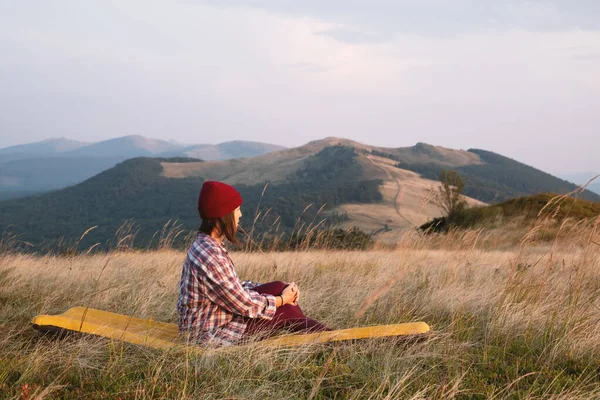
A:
x,y
135,189
380,190
490,177
497,178
278,165
408,174
54,164
402,191
547,209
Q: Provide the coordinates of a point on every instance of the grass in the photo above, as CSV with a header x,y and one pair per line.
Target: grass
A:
x,y
518,322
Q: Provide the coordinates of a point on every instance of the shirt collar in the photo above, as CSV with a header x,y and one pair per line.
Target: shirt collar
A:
x,y
209,238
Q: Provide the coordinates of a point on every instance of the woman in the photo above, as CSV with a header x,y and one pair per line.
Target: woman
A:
x,y
214,306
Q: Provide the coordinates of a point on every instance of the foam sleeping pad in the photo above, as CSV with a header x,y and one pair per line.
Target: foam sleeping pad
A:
x,y
162,335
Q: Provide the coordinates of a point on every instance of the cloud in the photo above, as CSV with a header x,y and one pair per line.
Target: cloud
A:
x,y
587,56
460,74
378,20
308,67
353,35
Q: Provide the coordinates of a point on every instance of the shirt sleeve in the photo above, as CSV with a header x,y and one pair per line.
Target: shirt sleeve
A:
x,y
224,288
249,285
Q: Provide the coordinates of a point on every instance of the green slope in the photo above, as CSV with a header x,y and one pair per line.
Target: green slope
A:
x,y
500,178
528,207
134,189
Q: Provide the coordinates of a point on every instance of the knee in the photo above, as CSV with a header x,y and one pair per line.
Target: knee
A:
x,y
275,288
278,286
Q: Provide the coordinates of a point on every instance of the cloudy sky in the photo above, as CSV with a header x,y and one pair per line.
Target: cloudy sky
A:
x,y
521,78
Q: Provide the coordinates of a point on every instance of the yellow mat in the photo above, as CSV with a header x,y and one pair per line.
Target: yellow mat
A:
x,y
161,335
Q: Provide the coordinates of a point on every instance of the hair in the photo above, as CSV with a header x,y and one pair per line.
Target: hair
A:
x,y
224,225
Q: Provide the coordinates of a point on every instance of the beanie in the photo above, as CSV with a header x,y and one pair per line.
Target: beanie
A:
x,y
217,199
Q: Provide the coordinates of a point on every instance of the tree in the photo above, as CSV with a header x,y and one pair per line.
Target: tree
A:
x,y
449,193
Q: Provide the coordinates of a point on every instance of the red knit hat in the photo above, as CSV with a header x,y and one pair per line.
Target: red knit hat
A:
x,y
217,199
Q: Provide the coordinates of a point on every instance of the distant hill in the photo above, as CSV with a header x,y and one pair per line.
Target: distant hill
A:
x,y
224,151
126,147
136,146
45,148
58,163
381,190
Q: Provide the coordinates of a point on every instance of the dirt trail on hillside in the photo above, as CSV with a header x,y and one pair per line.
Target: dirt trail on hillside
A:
x,y
398,191
405,204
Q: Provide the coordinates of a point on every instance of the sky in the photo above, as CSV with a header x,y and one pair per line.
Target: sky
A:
x,y
520,78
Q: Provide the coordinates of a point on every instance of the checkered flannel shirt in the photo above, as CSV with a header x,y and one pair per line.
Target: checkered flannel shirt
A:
x,y
212,300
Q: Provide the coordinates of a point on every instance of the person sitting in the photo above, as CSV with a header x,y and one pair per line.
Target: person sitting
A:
x,y
215,307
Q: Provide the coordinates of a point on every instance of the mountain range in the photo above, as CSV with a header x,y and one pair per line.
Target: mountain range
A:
x,y
57,163
45,148
331,181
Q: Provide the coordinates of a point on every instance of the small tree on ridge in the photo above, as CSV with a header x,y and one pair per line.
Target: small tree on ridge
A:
x,y
449,194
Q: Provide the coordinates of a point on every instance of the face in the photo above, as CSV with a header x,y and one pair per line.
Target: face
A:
x,y
237,214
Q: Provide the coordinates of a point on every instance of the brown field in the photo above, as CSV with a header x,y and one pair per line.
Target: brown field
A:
x,y
508,322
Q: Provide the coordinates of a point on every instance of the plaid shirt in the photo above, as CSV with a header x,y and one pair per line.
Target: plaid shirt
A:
x,y
212,300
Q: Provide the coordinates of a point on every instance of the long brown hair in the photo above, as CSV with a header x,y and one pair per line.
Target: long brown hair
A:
x,y
224,225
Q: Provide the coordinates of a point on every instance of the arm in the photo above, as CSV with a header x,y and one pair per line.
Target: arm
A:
x,y
285,298
225,289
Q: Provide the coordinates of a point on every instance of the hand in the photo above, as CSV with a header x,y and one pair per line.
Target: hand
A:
x,y
295,302
290,294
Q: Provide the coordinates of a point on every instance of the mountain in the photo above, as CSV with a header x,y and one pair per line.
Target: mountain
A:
x,y
224,151
228,150
126,147
58,163
45,148
136,146
348,183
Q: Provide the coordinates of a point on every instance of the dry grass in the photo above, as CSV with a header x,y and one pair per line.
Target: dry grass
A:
x,y
406,200
522,322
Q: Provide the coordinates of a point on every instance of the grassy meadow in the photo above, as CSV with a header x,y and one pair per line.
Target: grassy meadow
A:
x,y
509,321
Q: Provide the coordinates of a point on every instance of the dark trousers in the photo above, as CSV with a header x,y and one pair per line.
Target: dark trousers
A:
x,y
288,317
